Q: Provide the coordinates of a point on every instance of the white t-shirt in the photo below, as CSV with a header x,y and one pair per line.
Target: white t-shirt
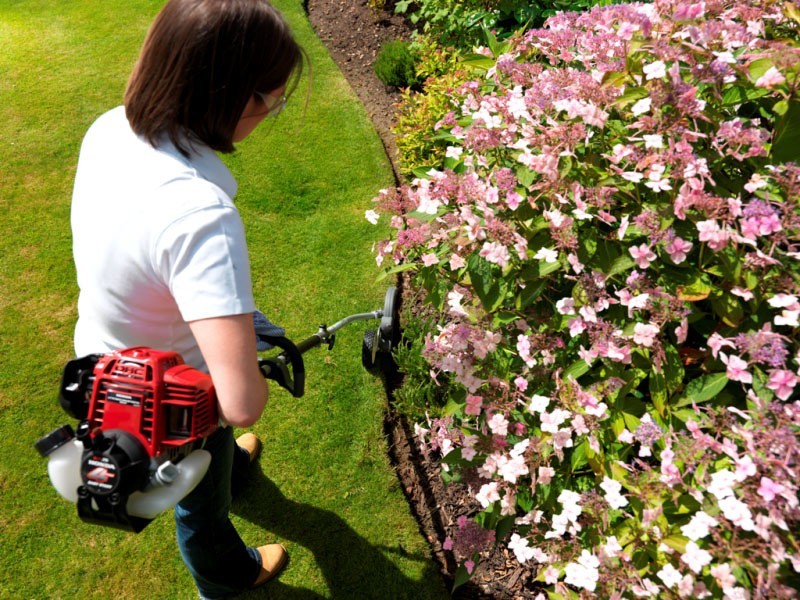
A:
x,y
157,242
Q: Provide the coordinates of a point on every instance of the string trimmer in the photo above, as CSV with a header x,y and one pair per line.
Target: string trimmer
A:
x,y
143,416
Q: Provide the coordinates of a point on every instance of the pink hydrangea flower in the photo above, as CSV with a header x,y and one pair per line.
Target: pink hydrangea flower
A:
x,y
769,489
495,252
430,259
498,424
456,262
736,368
643,255
678,250
717,342
474,404
645,334
710,232
782,382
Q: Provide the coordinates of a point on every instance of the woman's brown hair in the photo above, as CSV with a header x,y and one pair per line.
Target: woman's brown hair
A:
x,y
201,62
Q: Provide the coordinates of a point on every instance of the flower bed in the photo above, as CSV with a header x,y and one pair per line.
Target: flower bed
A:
x,y
612,244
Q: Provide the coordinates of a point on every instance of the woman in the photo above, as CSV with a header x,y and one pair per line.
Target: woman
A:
x,y
159,246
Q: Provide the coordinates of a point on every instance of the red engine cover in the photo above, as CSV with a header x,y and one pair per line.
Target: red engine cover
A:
x,y
153,395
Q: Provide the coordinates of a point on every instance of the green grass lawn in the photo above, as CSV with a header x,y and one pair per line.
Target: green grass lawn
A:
x,y
324,486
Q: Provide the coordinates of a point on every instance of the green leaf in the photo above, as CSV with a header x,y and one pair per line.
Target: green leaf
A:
x,y
396,269
685,505
632,422
504,527
676,542
697,290
525,175
401,6
786,144
422,172
545,268
618,423
673,368
531,292
489,286
461,577
578,458
630,96
760,380
453,407
728,308
658,392
615,79
792,12
621,264
702,389
577,369
478,60
736,95
423,216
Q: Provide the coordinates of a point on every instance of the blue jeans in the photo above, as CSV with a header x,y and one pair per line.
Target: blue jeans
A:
x,y
211,548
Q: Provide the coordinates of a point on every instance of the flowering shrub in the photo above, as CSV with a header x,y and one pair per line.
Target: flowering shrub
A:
x,y
612,240
442,74
461,22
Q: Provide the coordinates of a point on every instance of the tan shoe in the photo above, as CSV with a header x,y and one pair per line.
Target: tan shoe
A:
x,y
251,444
273,559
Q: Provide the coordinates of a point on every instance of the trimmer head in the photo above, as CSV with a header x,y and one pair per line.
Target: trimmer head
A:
x,y
378,344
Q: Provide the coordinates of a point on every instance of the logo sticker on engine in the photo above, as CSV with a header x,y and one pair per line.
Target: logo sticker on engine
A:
x,y
123,398
99,473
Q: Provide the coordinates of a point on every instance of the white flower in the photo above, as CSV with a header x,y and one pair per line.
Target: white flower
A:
x,y
790,318
519,546
454,302
566,306
372,216
538,404
695,557
551,422
641,107
698,527
725,57
653,141
669,575
737,512
488,494
453,152
612,547
783,301
722,483
655,70
632,176
736,593
583,574
644,334
547,255
612,491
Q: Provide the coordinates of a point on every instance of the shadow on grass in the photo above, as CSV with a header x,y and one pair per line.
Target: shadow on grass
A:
x,y
351,566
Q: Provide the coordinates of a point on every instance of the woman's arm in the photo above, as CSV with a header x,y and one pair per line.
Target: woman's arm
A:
x,y
228,345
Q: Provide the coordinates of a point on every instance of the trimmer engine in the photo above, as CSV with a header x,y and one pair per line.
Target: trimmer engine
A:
x,y
141,413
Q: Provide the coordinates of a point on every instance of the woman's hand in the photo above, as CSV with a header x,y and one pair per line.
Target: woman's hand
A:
x,y
228,345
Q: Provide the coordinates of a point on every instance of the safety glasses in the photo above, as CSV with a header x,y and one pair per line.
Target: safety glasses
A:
x,y
273,104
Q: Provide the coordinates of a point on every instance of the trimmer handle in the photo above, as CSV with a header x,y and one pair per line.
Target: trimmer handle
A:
x,y
287,369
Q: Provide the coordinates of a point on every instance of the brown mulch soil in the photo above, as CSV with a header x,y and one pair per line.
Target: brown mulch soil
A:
x,y
354,32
